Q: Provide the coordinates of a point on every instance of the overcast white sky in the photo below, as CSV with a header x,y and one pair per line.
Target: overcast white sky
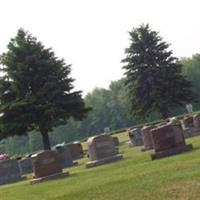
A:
x,y
92,34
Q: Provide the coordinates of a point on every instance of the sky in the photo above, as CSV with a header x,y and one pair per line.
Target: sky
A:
x,y
92,34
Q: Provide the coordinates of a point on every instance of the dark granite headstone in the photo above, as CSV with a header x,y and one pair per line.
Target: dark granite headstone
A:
x,y
65,156
147,138
135,137
168,140
191,126
188,122
196,121
76,150
25,165
9,171
46,165
101,150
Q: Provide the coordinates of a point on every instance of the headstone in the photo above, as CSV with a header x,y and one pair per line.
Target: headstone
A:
x,y
189,108
76,150
188,122
107,130
65,157
9,171
168,140
46,165
115,141
147,138
189,128
25,165
196,121
101,150
135,137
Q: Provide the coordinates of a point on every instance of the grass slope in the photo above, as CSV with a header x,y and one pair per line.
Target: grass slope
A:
x,y
136,177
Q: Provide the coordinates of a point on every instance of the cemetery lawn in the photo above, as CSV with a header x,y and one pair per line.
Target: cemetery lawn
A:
x,y
135,177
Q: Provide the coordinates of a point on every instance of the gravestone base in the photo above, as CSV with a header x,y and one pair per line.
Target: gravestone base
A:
x,y
170,152
50,177
109,159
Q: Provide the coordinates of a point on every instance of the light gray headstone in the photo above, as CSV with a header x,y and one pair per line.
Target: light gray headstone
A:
x,y
107,130
189,108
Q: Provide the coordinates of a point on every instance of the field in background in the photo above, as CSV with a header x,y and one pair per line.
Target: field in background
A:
x,y
135,177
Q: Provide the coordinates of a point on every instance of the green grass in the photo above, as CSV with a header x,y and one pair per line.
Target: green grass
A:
x,y
135,177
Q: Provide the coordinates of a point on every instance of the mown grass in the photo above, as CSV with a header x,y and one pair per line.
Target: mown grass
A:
x,y
135,177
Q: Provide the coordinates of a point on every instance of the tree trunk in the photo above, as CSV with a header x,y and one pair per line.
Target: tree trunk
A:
x,y
45,139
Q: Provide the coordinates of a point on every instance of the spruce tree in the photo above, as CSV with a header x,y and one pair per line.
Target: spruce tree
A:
x,y
36,90
154,78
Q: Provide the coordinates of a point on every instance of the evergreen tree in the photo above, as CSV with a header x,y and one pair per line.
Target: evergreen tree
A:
x,y
35,89
154,78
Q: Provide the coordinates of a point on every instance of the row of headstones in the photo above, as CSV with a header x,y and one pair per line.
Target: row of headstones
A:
x,y
12,170
101,149
66,154
190,127
50,164
166,138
